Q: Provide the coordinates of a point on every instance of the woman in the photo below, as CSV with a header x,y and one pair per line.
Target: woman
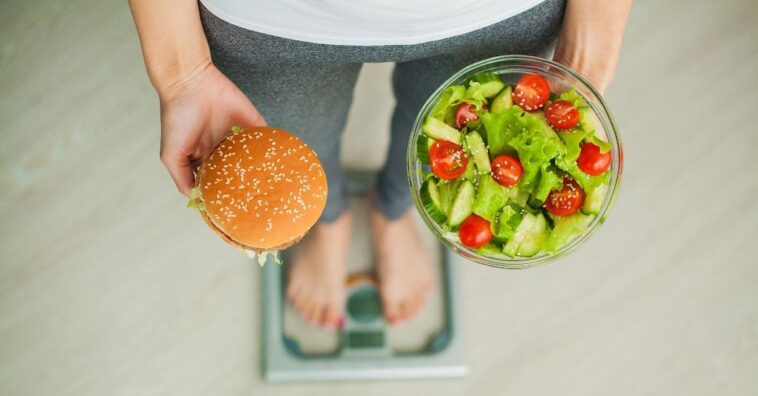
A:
x,y
293,64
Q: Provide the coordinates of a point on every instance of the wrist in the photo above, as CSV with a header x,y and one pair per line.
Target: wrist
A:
x,y
176,78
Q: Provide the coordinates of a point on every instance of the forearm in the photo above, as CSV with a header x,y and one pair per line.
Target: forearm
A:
x,y
172,38
591,37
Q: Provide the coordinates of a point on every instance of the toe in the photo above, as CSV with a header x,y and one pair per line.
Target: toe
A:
x,y
313,314
331,316
301,308
392,310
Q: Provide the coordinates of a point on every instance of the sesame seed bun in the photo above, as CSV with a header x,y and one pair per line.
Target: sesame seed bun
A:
x,y
261,189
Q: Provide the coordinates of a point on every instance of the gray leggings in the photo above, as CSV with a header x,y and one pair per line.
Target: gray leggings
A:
x,y
307,88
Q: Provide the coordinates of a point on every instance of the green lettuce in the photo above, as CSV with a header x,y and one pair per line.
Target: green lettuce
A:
x,y
263,256
573,140
549,180
586,123
474,95
490,197
450,97
496,133
454,95
507,222
536,144
195,200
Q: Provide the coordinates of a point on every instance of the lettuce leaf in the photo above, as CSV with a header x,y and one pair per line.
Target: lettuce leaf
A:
x,y
262,257
496,132
195,200
454,95
507,221
573,140
450,97
586,122
490,197
536,143
549,181
528,135
600,143
474,95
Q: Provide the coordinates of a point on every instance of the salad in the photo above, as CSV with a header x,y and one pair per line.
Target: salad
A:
x,y
512,170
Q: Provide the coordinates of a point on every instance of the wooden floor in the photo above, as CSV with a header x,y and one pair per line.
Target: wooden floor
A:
x,y
109,286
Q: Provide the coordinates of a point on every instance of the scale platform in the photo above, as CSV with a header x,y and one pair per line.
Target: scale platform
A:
x,y
366,347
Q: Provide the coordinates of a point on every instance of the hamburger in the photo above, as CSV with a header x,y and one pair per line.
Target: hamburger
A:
x,y
261,189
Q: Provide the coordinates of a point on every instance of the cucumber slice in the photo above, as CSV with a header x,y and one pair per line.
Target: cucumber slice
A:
x,y
490,83
470,173
534,238
478,151
502,101
423,144
491,250
462,204
447,191
518,196
594,200
430,198
526,224
437,129
566,229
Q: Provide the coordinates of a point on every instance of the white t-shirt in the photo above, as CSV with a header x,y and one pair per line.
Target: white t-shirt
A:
x,y
366,22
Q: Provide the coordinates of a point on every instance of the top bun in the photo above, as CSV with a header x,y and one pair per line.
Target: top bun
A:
x,y
262,189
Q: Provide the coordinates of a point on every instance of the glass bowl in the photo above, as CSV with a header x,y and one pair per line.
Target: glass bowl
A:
x,y
560,78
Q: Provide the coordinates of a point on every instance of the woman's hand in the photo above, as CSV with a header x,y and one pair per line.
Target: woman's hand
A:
x,y
591,36
197,112
199,105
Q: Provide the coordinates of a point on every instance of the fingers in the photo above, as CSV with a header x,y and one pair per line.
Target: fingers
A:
x,y
180,169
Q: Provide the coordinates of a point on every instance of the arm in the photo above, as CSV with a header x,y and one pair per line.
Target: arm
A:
x,y
199,104
591,37
172,39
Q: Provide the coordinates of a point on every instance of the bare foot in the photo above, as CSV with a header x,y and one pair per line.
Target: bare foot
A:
x,y
404,267
317,274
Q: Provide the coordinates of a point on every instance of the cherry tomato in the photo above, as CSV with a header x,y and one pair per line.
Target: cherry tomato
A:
x,y
506,170
531,92
562,114
465,113
475,232
448,160
590,160
567,200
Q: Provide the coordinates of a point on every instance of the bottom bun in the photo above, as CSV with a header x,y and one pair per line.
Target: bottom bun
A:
x,y
240,246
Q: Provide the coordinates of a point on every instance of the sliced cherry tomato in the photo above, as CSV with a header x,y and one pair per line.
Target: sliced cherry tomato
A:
x,y
531,92
475,232
506,170
591,161
567,200
448,160
465,113
562,114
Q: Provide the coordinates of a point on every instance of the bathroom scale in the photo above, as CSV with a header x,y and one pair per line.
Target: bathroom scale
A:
x,y
366,347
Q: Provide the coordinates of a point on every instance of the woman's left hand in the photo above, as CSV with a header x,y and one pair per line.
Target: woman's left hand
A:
x,y
591,37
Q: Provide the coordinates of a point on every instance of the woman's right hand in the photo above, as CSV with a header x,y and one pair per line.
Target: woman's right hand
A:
x,y
197,112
